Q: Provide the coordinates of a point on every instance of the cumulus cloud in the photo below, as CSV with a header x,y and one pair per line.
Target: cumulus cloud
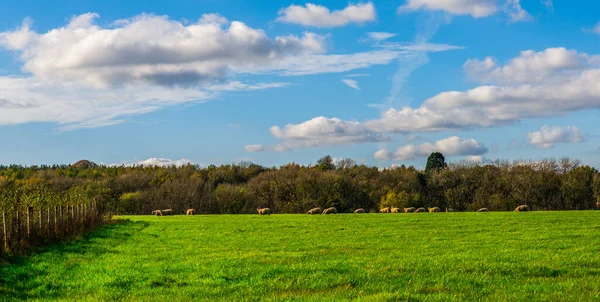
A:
x,y
551,64
475,8
477,159
254,148
382,154
84,75
321,131
150,49
560,88
451,146
158,162
351,83
547,137
320,16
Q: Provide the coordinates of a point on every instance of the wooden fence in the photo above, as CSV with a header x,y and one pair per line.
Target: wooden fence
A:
x,y
29,227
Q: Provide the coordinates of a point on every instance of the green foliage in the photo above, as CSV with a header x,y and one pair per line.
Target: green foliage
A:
x,y
550,184
435,162
370,257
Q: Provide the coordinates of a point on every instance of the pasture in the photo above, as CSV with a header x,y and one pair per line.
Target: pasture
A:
x,y
552,256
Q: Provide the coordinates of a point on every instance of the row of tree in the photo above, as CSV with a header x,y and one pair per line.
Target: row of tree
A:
x,y
562,184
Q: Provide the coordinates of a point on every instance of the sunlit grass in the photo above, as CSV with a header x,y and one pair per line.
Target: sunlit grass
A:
x,y
553,256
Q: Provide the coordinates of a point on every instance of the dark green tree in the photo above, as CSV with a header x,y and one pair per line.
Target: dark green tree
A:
x,y
435,162
326,163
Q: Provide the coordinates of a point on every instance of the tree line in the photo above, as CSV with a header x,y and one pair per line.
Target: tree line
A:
x,y
551,184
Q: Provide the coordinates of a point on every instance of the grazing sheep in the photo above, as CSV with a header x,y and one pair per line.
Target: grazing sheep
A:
x,y
420,210
449,210
314,211
395,210
385,210
331,210
166,212
522,208
190,212
598,205
157,213
483,210
361,210
264,211
434,209
409,210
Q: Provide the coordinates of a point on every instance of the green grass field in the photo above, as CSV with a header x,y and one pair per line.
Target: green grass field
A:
x,y
551,256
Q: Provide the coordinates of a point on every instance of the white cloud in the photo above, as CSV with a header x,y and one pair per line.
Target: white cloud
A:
x,y
477,159
76,105
351,83
596,28
515,12
559,87
356,75
254,148
320,16
379,36
551,64
158,162
547,137
475,8
150,49
451,146
321,131
382,154
83,75
336,63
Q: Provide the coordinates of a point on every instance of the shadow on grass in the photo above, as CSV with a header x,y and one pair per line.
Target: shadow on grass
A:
x,y
20,276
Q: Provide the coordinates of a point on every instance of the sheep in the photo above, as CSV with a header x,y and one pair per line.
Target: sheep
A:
x,y
264,211
449,210
395,210
157,213
361,210
409,210
483,210
598,205
434,209
190,212
314,211
420,210
331,210
385,210
522,208
166,212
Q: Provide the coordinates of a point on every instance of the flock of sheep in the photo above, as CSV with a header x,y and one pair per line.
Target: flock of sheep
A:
x,y
332,210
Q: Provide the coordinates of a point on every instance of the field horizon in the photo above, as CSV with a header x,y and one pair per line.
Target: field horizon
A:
x,y
374,257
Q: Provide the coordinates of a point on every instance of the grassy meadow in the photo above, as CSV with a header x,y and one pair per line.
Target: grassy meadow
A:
x,y
534,256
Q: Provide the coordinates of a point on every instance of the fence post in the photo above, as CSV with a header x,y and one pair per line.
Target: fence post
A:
x,y
30,233
49,223
4,225
62,216
41,224
19,230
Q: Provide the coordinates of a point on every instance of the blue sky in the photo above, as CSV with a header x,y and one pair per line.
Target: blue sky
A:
x,y
215,82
